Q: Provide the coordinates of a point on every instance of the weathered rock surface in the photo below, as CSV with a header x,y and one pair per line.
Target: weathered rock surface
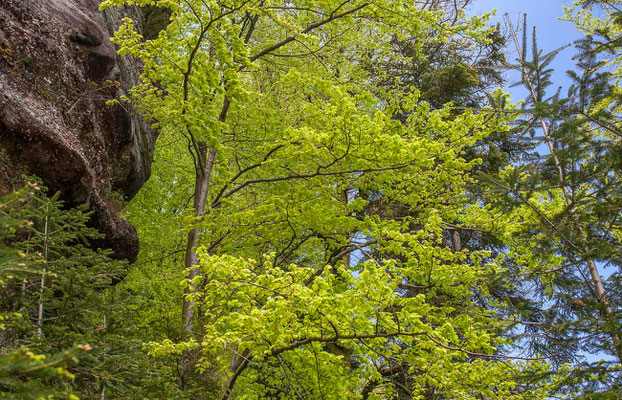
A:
x,y
57,70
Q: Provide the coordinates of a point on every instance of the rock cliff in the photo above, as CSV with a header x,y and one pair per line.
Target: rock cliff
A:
x,y
58,69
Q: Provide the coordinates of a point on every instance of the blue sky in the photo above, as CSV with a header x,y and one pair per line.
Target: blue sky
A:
x,y
551,32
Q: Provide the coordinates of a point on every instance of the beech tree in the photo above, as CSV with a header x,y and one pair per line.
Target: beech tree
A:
x,y
302,279
341,206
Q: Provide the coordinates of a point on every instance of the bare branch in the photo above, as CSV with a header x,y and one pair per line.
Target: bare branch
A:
x,y
308,29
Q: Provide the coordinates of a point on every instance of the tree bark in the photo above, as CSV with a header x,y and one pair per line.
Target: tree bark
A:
x,y
206,157
42,284
205,163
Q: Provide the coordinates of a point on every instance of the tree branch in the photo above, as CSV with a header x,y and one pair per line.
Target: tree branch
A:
x,y
308,29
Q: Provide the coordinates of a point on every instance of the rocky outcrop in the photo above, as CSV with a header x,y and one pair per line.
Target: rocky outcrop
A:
x,y
58,69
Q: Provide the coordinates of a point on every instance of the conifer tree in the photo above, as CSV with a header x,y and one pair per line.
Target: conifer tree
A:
x,y
24,374
563,200
60,301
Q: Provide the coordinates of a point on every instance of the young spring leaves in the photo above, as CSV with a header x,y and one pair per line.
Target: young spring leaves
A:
x,y
301,168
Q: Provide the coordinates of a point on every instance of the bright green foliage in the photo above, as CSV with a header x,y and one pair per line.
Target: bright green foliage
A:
x,y
312,171
23,373
345,248
601,19
289,321
58,302
612,394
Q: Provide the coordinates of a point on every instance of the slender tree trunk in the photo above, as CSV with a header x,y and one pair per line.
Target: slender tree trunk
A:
x,y
456,245
205,164
102,395
603,299
40,311
346,200
202,180
42,285
203,172
22,298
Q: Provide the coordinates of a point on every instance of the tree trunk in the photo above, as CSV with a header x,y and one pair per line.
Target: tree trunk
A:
x,y
42,285
202,180
102,395
603,299
203,172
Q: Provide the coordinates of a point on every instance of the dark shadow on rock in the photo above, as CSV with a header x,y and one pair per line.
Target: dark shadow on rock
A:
x,y
58,69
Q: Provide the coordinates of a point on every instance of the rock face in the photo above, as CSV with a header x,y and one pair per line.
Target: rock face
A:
x,y
58,69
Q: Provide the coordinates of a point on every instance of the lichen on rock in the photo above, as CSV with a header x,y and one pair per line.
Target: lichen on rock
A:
x,y
58,69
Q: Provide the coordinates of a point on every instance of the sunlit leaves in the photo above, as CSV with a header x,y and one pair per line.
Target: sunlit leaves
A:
x,y
323,260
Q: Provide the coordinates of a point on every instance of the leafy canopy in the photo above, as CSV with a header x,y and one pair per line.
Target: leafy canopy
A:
x,y
311,167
